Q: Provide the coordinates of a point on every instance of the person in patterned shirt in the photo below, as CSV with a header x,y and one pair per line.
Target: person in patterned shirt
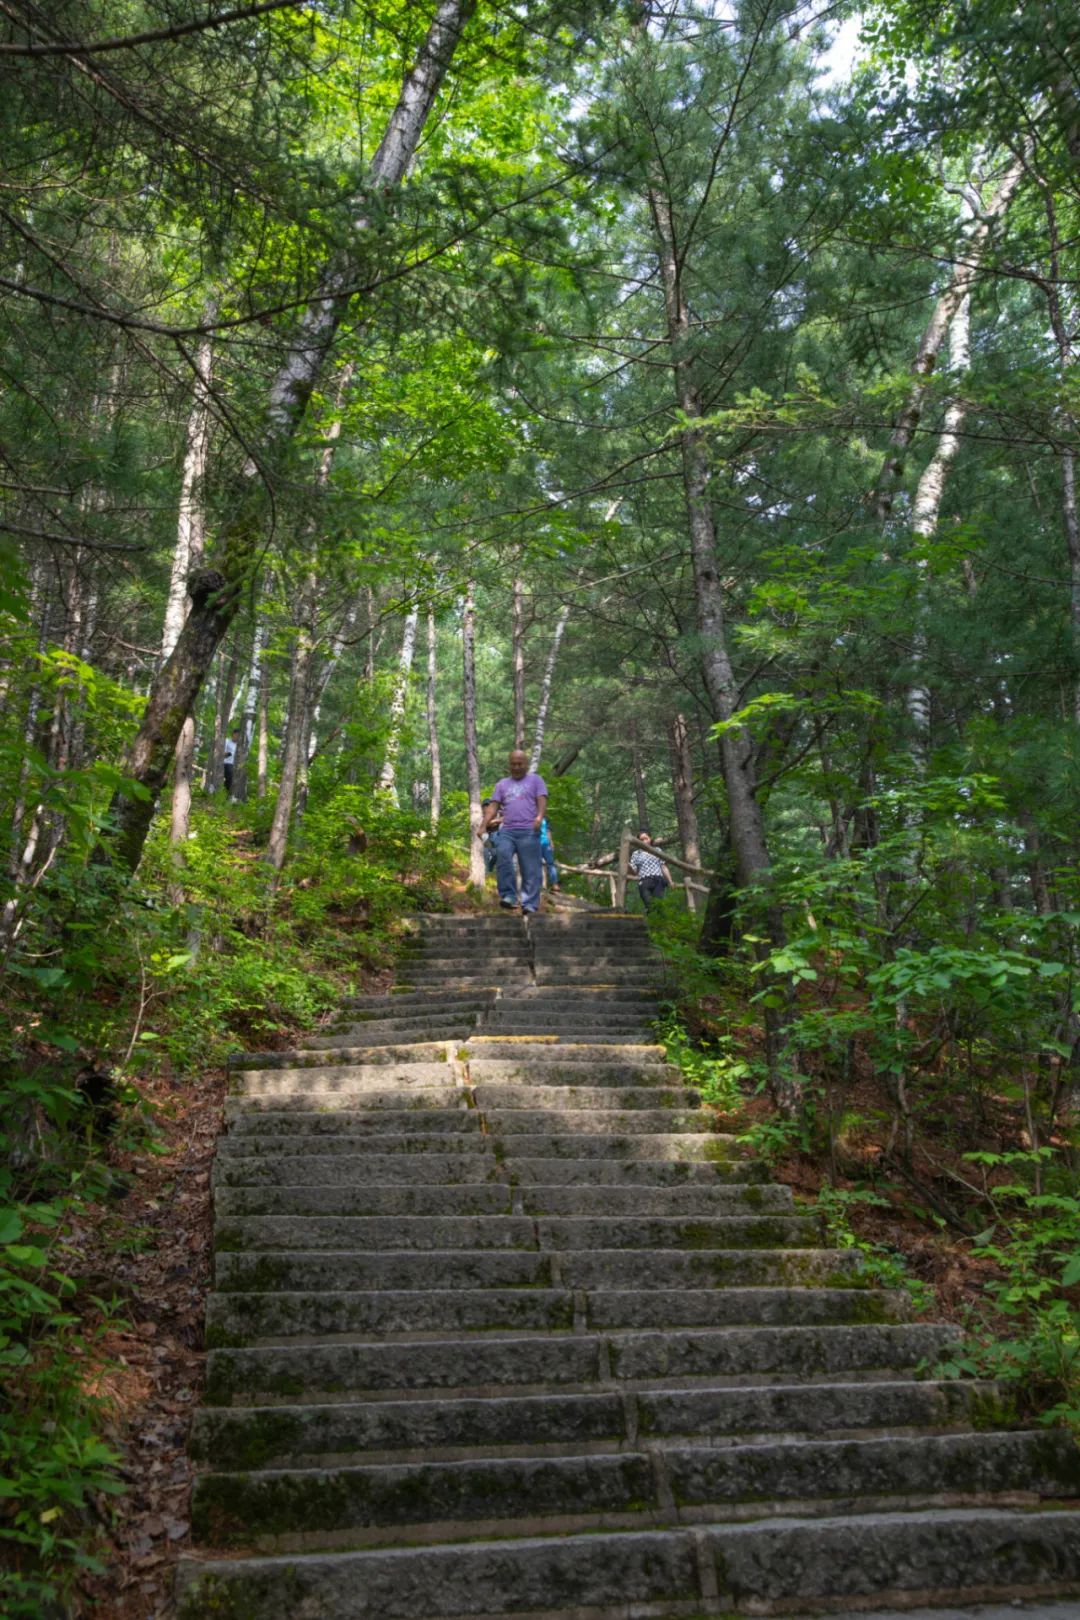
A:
x,y
654,879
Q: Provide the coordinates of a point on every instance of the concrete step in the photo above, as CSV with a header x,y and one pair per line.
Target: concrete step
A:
x,y
387,1501
380,1032
396,1172
323,1119
301,1197
609,1122
575,1032
282,1090
729,1169
732,1569
379,1233
349,1271
265,1436
494,1098
570,1142
528,1050
331,1135
576,996
400,1055
243,1318
403,1000
553,1071
579,1360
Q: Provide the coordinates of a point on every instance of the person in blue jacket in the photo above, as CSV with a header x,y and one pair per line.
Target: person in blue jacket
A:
x,y
547,855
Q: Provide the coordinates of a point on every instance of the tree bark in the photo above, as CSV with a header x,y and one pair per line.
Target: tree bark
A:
x,y
517,641
472,755
964,276
215,605
639,782
682,783
387,782
296,725
433,724
546,687
925,514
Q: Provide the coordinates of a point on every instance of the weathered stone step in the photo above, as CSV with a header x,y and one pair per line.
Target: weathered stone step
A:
x,y
403,1000
584,1232
580,1360
402,1055
580,996
571,1142
387,1501
717,1569
377,1032
345,1270
463,975
728,1170
241,1318
350,1168
611,1123
323,1118
302,1197
258,1318
494,1099
348,1090
262,1436
579,1032
345,1095
332,1136
551,1071
528,1050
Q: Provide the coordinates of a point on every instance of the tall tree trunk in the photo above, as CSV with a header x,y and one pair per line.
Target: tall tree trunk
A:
x,y
1063,325
517,642
262,760
433,723
472,754
682,783
639,781
546,687
747,827
968,265
296,725
216,594
387,782
226,693
925,514
251,710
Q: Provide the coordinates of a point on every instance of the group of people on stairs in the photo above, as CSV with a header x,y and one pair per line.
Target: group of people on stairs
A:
x,y
514,827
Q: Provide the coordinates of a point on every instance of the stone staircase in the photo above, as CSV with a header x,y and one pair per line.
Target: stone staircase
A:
x,y
501,1327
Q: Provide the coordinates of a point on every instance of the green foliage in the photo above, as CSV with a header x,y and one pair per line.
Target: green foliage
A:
x,y
880,1265
1033,1245
716,1070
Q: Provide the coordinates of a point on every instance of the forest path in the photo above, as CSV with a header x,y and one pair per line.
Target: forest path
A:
x,y
502,1326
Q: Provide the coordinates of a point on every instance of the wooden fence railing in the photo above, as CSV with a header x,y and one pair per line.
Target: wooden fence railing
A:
x,y
620,873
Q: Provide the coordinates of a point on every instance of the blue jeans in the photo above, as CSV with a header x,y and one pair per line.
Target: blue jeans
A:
x,y
547,856
525,844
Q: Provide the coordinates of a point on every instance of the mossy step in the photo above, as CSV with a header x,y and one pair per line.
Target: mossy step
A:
x,y
580,1360
730,1569
240,1318
292,1270
321,1167
313,1505
552,1072
613,1141
276,1318
449,1027
344,1090
326,1134
590,1233
570,1098
346,1115
403,1055
261,1436
611,1123
404,1000
730,1170
303,1197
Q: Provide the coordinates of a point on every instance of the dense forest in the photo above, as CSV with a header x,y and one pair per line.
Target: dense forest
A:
x,y
650,386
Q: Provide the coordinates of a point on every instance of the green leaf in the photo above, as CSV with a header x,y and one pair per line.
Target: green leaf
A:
x,y
10,1225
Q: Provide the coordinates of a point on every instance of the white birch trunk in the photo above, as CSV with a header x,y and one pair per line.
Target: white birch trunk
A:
x,y
926,512
433,724
546,687
682,782
972,253
387,782
472,755
517,643
191,516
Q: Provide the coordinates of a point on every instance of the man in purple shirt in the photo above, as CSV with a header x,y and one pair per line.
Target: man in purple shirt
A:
x,y
522,797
